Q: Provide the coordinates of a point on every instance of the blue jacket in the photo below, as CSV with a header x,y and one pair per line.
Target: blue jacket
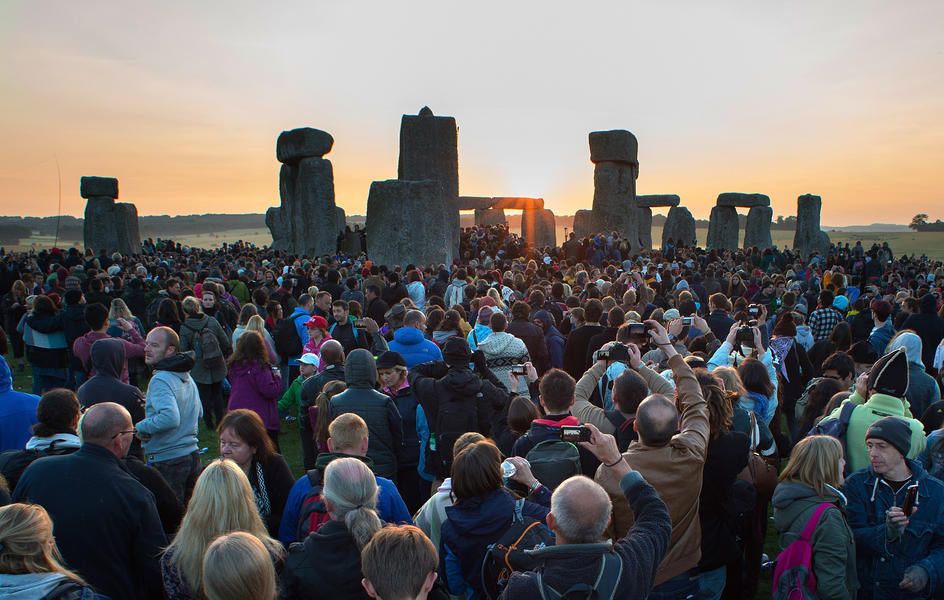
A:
x,y
17,412
882,564
880,337
414,347
300,316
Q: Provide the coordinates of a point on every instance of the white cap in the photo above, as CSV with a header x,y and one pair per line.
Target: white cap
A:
x,y
310,358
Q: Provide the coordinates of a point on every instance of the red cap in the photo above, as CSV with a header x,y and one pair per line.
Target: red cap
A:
x,y
317,321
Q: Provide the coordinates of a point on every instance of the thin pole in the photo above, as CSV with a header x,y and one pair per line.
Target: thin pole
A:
x,y
59,207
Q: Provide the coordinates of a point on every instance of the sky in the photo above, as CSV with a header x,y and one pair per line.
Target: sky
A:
x,y
183,101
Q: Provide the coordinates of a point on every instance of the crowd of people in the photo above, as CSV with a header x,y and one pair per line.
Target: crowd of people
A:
x,y
525,422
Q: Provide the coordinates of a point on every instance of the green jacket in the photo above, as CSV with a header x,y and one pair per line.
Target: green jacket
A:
x,y
834,557
868,412
291,399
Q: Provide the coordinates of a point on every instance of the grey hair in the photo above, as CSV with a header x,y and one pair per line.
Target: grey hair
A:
x,y
581,509
351,488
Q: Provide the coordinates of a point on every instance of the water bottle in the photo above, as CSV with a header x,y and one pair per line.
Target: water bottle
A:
x,y
508,470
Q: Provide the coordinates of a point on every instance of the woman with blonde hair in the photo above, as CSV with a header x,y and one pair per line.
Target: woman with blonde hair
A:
x,y
257,324
222,502
30,563
494,295
328,563
808,489
120,310
237,567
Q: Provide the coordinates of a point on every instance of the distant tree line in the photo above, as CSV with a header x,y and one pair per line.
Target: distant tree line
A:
x,y
920,223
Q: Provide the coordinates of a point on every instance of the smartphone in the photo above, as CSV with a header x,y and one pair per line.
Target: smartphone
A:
x,y
911,494
519,370
687,321
754,310
637,332
360,324
574,433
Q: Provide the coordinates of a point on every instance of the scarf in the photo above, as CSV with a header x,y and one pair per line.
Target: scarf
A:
x,y
761,404
780,348
261,494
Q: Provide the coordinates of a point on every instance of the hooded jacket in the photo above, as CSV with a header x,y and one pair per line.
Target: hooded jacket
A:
x,y
534,338
502,352
82,348
326,565
257,388
108,362
834,553
44,586
17,412
189,341
553,341
930,328
923,391
455,293
172,410
414,347
376,408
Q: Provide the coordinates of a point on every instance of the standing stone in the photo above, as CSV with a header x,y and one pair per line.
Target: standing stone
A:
x,y
614,185
486,217
342,219
538,227
723,228
645,227
809,236
583,223
405,223
679,227
757,230
645,204
109,225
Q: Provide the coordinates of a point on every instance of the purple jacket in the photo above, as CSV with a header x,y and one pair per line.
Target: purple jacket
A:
x,y
257,388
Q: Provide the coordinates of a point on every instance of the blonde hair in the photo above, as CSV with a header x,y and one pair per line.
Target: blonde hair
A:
x,y
347,431
257,324
732,381
27,542
814,461
238,566
222,502
192,306
351,489
119,310
494,295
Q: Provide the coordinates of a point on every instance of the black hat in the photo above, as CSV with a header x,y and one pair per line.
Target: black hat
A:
x,y
889,374
862,352
893,430
390,359
456,352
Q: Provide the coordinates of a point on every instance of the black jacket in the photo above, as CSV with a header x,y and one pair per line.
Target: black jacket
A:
x,y
313,386
930,328
533,338
107,524
50,358
727,456
575,350
326,565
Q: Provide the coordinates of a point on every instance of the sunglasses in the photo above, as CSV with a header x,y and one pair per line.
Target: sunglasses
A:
x,y
131,431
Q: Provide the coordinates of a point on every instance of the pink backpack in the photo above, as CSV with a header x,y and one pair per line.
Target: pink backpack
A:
x,y
793,576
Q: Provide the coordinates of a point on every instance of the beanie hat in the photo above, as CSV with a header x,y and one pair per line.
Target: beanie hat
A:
x,y
485,315
456,352
893,430
889,374
390,359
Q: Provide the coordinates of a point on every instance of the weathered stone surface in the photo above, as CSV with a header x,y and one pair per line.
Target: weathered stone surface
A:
x,y
614,202
509,203
617,145
538,227
129,234
723,228
645,227
342,218
743,200
98,186
111,226
306,221
405,223
654,200
679,227
583,223
809,236
757,229
489,216
304,142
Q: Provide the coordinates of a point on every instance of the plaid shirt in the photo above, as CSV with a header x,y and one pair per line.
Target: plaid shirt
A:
x,y
823,321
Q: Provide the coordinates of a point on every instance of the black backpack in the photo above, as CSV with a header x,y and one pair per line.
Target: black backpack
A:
x,y
14,462
456,416
510,552
624,434
604,588
211,354
837,427
287,342
553,462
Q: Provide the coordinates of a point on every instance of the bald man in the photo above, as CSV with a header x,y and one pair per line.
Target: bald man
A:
x,y
580,512
107,525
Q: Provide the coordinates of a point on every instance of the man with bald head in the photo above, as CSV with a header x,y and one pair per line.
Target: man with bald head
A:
x,y
670,453
106,523
582,558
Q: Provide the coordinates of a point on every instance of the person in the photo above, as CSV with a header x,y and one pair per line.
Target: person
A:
x,y
222,502
375,308
718,319
107,359
923,390
813,477
237,566
328,563
553,339
244,440
291,398
332,357
13,306
793,366
824,319
580,513
897,555
255,384
929,326
107,525
755,370
376,408
455,293
45,340
539,339
840,340
30,563
392,372
168,314
883,330
343,329
410,342
172,411
575,349
208,374
670,454
96,316
17,411
257,324
878,393
399,562
348,438
317,328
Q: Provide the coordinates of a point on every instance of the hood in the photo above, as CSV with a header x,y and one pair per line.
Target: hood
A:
x,y
57,441
6,377
360,369
408,336
501,342
181,362
912,345
28,586
792,500
108,357
547,321
461,381
299,311
481,333
325,457
482,516
458,283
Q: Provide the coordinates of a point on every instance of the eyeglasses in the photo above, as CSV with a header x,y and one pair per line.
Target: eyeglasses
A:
x,y
131,431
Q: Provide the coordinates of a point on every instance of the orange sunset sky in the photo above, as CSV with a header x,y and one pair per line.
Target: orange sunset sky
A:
x,y
183,101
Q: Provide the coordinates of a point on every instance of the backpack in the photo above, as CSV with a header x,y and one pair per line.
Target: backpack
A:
x,y
837,427
604,588
793,575
456,415
553,461
804,398
211,355
14,462
510,552
313,513
287,342
624,434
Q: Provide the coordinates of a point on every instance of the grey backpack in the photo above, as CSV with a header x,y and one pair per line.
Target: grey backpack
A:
x,y
553,461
